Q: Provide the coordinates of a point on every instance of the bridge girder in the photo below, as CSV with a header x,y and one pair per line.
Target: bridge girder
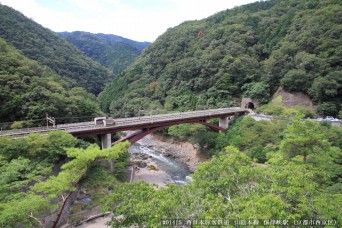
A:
x,y
137,135
136,123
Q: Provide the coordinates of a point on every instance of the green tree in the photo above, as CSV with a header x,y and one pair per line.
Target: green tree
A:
x,y
30,90
295,80
258,90
325,88
327,109
58,141
303,138
28,191
232,186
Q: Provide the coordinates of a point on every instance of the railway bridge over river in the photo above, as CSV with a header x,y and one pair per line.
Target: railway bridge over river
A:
x,y
143,125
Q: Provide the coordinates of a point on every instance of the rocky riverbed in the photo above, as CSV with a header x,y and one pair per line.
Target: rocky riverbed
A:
x,y
158,161
181,151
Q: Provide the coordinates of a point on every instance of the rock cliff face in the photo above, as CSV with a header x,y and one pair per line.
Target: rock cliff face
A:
x,y
293,98
181,151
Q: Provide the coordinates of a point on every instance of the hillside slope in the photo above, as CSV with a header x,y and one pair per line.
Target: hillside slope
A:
x,y
247,51
114,52
29,91
48,48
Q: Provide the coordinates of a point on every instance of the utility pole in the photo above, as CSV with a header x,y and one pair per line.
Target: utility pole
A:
x,y
51,120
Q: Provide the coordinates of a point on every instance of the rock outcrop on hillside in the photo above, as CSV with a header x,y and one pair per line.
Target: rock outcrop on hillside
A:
x,y
291,99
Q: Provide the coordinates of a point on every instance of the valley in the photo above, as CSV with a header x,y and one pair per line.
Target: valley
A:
x,y
234,117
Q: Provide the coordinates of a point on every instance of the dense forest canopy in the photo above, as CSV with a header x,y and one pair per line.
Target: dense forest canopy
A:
x,y
284,169
299,180
48,48
30,90
114,52
248,51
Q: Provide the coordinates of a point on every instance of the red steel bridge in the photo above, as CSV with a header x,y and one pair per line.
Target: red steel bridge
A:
x,y
143,125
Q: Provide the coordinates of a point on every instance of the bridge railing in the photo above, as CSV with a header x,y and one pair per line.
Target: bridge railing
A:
x,y
174,116
153,119
74,127
74,124
25,131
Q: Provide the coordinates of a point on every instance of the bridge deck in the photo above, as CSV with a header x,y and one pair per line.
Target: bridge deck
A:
x,y
121,124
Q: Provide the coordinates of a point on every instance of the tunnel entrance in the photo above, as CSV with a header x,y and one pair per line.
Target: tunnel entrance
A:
x,y
250,105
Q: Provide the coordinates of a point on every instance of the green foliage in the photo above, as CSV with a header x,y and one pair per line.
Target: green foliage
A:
x,y
27,160
50,146
231,186
327,108
83,160
27,186
327,88
19,172
258,90
58,141
277,108
206,140
142,197
30,91
184,131
120,166
49,49
98,183
303,111
247,51
100,176
16,212
114,52
303,138
198,134
255,138
17,125
295,80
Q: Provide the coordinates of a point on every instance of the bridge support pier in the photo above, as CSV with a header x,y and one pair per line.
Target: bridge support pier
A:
x,y
224,122
106,141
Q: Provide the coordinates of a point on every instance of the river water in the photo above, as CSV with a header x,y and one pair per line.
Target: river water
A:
x,y
169,171
178,171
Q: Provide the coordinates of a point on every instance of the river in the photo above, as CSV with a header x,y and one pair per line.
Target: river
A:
x,y
160,169
159,163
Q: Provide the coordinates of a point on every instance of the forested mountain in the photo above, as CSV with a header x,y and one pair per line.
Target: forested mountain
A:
x,y
285,172
294,185
48,48
30,90
247,51
113,52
